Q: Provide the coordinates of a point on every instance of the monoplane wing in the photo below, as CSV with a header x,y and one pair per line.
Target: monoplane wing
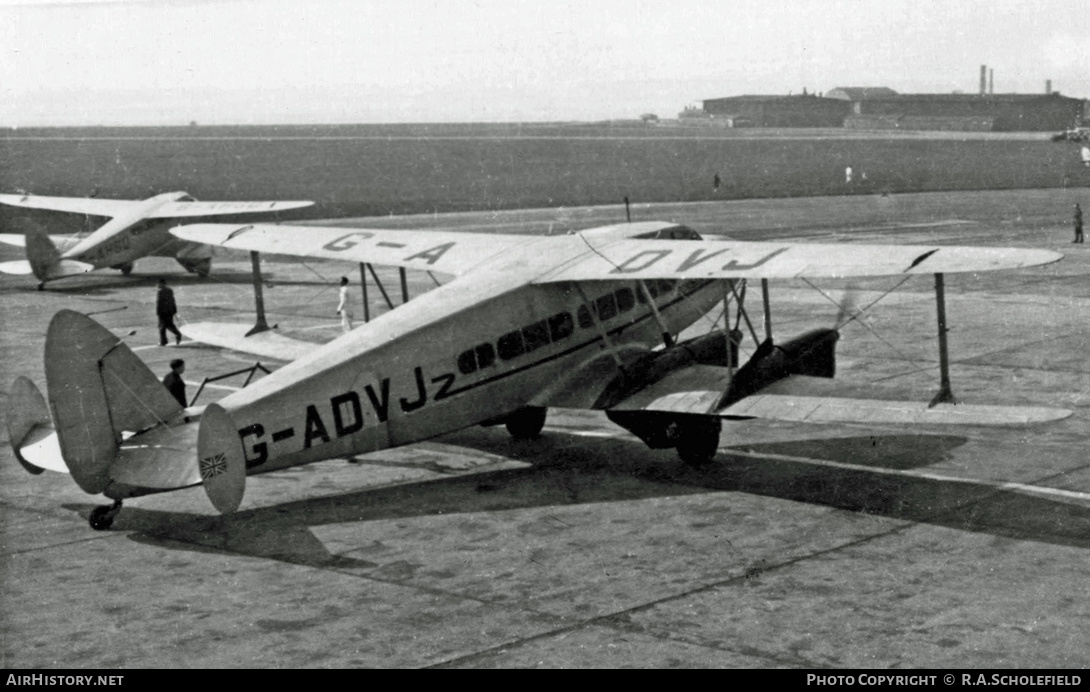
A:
x,y
174,210
441,251
718,259
74,205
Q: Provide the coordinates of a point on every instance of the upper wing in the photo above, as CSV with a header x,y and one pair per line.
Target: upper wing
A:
x,y
75,205
711,259
441,251
172,210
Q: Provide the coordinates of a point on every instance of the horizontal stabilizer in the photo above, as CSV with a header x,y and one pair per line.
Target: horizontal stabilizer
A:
x,y
17,267
267,344
162,458
30,429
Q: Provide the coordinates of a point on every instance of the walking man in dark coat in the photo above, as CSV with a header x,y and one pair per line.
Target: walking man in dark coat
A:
x,y
1078,224
166,309
173,381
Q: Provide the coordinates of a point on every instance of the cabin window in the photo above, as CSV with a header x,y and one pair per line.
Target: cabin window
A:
x,y
486,355
606,307
560,326
467,362
690,286
586,320
626,300
510,345
535,336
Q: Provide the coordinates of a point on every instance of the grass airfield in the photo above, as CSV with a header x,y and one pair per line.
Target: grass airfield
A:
x,y
802,546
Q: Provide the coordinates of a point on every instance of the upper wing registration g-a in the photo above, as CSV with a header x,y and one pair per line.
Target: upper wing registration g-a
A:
x,y
716,259
440,251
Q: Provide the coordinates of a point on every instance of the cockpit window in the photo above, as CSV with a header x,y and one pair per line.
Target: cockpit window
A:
x,y
671,233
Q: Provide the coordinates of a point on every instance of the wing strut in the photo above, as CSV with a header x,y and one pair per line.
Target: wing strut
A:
x,y
592,309
667,337
259,299
363,287
404,286
381,288
944,395
768,311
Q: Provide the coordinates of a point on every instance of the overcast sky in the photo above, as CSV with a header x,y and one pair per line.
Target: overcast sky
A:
x,y
292,61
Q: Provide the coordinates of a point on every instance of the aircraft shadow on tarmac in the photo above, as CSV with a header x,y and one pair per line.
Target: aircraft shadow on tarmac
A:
x,y
566,470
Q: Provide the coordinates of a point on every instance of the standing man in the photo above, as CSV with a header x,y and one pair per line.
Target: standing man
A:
x,y
1078,224
173,381
716,181
342,307
166,309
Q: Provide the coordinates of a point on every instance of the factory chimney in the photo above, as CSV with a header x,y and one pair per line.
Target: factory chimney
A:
x,y
1048,86
983,79
991,81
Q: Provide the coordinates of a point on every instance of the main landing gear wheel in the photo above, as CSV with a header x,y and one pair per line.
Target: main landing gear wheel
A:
x,y
527,422
698,442
126,268
102,517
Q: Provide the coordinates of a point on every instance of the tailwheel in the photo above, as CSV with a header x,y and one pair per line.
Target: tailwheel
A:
x,y
102,517
527,422
698,441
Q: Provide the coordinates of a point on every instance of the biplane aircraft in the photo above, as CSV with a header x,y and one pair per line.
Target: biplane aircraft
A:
x,y
586,320
137,228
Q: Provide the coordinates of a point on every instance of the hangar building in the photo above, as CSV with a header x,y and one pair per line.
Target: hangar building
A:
x,y
985,112
805,110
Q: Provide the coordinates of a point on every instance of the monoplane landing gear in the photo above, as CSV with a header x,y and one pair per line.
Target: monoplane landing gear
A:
x,y
126,269
102,517
527,422
698,441
41,285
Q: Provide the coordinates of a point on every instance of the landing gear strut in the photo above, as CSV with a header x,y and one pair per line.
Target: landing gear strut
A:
x,y
527,422
102,517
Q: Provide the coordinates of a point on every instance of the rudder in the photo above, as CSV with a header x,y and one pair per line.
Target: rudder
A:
x,y
97,388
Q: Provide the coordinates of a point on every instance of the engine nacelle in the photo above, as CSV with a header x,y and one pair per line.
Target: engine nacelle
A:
x,y
812,353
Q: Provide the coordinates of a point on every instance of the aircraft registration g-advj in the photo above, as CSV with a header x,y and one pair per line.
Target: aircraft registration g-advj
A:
x,y
136,229
586,320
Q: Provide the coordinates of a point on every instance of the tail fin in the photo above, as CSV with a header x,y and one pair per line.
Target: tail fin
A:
x,y
42,255
97,388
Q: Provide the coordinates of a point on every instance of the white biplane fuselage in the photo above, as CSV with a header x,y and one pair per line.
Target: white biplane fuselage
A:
x,y
129,236
454,359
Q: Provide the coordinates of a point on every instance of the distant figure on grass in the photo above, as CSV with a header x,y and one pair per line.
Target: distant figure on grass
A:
x,y
173,381
848,175
1078,224
166,309
716,182
342,307
1085,154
